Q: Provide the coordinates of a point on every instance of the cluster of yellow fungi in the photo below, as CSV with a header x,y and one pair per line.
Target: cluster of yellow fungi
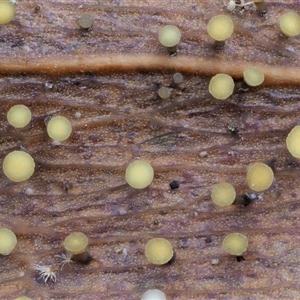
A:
x,y
19,166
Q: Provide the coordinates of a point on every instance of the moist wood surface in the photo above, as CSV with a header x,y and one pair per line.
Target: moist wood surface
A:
x,y
117,117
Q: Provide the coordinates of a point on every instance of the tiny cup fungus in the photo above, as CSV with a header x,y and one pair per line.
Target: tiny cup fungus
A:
x,y
159,251
59,128
169,36
8,241
153,295
76,244
253,76
223,194
7,11
18,166
23,298
290,24
221,86
235,244
19,116
293,141
220,28
164,92
177,78
139,174
259,177
86,21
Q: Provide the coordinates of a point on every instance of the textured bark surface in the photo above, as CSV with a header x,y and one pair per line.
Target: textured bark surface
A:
x,y
117,117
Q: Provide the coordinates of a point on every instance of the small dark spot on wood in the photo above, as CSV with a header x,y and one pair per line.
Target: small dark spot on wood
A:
x,y
208,240
155,222
174,185
37,9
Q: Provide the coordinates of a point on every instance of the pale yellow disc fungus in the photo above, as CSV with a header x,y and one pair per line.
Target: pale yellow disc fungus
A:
x,y
18,166
59,128
164,92
159,251
23,298
259,177
7,11
8,241
293,141
19,116
76,243
169,36
235,244
290,23
223,194
253,76
221,86
139,174
86,21
220,28
154,295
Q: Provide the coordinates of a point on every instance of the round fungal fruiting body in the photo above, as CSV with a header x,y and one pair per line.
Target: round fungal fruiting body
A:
x,y
253,76
235,244
169,36
290,24
164,92
223,194
259,177
59,128
177,78
76,244
7,11
23,298
220,28
154,295
19,116
293,141
8,241
18,166
159,251
86,21
221,86
139,174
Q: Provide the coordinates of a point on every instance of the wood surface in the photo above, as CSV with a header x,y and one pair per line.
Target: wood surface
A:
x,y
105,80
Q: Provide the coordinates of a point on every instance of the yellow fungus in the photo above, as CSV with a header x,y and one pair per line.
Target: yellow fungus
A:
x,y
76,243
19,116
59,128
290,23
86,21
253,76
139,174
223,194
293,141
7,11
220,28
169,36
154,295
164,92
18,166
8,241
23,298
159,251
235,244
221,86
259,177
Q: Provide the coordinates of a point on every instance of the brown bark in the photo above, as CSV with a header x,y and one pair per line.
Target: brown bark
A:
x,y
117,117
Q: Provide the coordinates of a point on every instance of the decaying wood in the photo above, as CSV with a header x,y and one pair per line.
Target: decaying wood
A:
x,y
117,117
